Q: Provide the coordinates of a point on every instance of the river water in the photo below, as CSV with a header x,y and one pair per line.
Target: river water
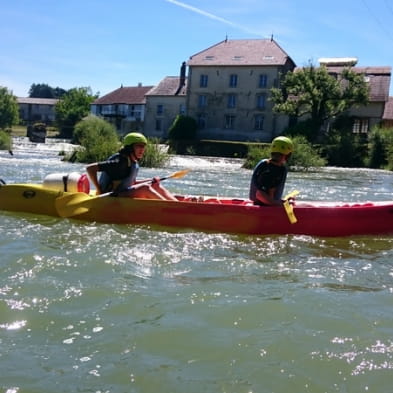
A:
x,y
90,307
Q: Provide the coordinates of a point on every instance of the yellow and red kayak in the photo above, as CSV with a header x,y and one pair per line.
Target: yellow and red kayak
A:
x,y
210,214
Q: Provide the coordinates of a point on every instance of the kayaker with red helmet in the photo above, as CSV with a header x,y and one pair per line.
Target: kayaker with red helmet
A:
x,y
269,175
119,172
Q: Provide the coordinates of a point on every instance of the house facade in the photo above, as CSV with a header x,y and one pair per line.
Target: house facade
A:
x,y
229,89
123,107
164,102
387,118
37,110
378,82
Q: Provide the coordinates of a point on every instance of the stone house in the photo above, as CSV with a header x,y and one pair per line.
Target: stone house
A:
x,y
123,107
164,102
378,81
37,110
229,89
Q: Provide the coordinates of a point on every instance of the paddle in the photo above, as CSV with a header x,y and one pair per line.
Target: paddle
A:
x,y
289,207
79,202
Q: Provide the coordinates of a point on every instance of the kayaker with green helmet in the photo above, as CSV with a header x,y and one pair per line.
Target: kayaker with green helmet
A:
x,y
119,172
269,175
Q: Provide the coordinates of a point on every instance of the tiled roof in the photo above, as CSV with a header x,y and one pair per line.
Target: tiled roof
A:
x,y
242,53
124,95
388,112
168,87
378,79
37,101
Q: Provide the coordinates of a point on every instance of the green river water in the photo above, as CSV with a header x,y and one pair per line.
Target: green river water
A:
x,y
89,307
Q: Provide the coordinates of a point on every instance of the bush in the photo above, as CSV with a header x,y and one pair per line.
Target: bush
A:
x,y
381,148
306,128
155,156
255,154
98,139
5,141
304,156
182,134
183,127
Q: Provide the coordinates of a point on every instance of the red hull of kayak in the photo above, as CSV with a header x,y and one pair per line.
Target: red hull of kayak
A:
x,y
224,215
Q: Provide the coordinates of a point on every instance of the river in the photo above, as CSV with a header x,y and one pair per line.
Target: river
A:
x,y
88,307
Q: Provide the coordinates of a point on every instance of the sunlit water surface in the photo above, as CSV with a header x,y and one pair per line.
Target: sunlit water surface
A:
x,y
90,307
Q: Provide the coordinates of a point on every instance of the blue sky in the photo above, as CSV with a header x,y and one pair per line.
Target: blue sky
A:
x,y
105,44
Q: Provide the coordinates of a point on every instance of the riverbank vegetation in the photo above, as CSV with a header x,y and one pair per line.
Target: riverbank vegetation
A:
x,y
304,156
98,140
5,141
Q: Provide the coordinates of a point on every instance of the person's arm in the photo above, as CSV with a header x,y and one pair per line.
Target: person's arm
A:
x,y
267,198
92,171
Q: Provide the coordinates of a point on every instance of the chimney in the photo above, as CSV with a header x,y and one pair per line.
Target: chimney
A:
x,y
182,80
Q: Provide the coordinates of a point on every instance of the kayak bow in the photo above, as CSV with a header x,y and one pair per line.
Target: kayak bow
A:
x,y
78,203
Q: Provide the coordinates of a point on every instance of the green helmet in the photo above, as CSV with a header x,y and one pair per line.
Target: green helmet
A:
x,y
282,145
134,137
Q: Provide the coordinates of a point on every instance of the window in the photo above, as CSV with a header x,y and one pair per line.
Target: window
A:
x,y
261,101
262,81
131,110
160,109
201,120
203,81
202,101
230,121
232,101
233,80
360,126
158,125
258,122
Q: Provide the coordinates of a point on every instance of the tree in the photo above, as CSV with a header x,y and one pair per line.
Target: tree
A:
x,y
42,90
183,127
9,109
181,133
73,107
98,138
314,92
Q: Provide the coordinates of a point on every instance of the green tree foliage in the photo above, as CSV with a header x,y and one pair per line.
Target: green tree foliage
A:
x,y
304,156
304,128
313,92
344,148
9,109
181,133
381,148
155,155
5,141
43,90
183,128
98,139
72,108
